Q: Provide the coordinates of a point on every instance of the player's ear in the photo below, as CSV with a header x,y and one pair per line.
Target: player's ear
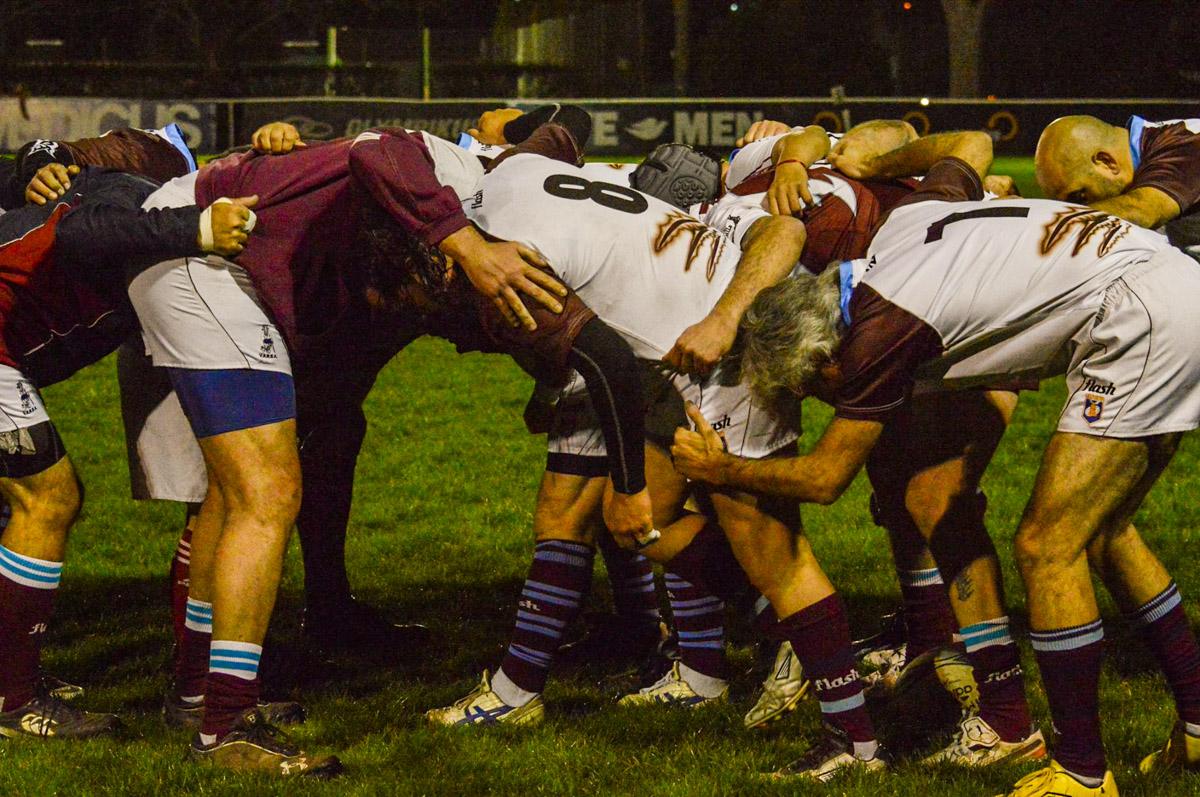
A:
x,y
1106,162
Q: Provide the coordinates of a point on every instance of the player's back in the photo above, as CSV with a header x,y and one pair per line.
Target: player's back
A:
x,y
984,271
645,267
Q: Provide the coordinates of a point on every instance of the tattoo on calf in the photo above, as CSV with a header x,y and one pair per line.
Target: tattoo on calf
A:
x,y
964,587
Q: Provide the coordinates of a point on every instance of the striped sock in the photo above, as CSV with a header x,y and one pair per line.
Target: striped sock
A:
x,y
231,687
700,624
820,637
27,589
928,616
191,661
997,663
1166,632
180,564
558,577
632,579
1069,660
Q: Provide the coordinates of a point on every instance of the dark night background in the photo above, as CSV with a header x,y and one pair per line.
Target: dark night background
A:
x,y
600,48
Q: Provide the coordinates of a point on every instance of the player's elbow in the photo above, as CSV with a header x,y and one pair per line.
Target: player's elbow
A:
x,y
975,147
776,231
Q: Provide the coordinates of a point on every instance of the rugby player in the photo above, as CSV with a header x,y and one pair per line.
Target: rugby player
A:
x,y
1005,287
64,308
1145,172
650,269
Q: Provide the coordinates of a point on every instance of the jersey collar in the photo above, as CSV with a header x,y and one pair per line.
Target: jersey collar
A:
x,y
1136,125
847,283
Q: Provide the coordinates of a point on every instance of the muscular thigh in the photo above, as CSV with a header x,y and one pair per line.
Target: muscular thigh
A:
x,y
568,507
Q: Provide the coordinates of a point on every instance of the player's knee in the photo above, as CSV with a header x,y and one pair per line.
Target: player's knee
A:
x,y
269,492
1036,548
49,500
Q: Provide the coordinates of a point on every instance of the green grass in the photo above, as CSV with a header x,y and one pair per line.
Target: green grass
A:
x,y
441,534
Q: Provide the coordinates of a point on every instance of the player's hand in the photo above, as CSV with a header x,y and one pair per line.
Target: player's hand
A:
x,y
50,183
789,194
702,345
276,138
491,126
853,159
1001,185
701,454
499,270
628,517
229,225
763,129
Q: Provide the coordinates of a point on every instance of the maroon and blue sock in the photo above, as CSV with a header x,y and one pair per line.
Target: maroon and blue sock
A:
x,y
191,658
180,583
928,616
559,576
632,578
696,603
998,674
1069,660
820,637
1165,630
231,687
27,590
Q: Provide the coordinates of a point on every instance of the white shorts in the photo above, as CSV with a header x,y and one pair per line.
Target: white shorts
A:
x,y
1135,371
20,402
748,429
165,461
203,313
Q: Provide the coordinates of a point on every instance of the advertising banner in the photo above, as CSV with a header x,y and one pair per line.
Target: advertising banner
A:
x,y
69,118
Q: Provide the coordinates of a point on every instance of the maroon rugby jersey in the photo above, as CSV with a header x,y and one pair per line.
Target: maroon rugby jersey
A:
x,y
1168,158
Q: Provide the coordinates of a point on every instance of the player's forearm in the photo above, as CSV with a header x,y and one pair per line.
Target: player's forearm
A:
x,y
919,156
1145,207
771,249
572,117
799,478
614,384
98,236
806,146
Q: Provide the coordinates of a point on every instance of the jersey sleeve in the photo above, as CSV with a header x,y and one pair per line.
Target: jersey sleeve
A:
x,y
883,347
1171,163
396,169
550,141
950,180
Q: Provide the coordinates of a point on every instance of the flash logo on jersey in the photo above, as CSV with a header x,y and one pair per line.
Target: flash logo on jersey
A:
x,y
1093,408
26,392
1089,223
676,226
267,349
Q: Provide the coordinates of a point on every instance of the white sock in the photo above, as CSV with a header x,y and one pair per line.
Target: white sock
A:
x,y
865,751
703,685
192,700
1191,728
509,692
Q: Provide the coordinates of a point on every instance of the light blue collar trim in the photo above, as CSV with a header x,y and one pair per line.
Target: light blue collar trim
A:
x,y
173,134
846,270
1136,126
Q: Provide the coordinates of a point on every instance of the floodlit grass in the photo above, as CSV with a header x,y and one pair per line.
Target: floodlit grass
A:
x,y
441,534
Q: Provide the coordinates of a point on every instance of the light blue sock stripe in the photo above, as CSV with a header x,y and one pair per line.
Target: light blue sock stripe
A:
x,y
921,578
691,604
553,590
539,629
540,618
37,565
562,558
696,612
847,704
717,644
1068,638
1157,607
529,654
1000,636
537,596
706,634
1161,611
29,572
244,655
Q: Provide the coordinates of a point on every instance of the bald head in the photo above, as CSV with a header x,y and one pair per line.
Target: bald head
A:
x,y
1083,159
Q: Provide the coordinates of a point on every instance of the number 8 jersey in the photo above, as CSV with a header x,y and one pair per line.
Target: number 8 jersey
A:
x,y
646,268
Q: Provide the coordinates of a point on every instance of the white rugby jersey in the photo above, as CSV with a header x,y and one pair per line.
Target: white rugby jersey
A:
x,y
646,268
967,291
755,157
618,173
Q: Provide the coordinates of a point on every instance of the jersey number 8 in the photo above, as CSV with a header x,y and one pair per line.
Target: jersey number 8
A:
x,y
609,195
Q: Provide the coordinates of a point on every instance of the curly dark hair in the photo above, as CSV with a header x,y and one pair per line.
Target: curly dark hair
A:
x,y
399,267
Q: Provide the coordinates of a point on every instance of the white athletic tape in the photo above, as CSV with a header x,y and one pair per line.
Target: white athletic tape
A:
x,y
206,230
648,539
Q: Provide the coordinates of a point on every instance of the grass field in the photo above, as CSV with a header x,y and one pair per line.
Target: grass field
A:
x,y
441,535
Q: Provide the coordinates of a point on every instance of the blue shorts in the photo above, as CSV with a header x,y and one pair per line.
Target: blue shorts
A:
x,y
229,400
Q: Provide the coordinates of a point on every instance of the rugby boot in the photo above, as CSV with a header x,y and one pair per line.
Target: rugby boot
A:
x,y
782,691
59,688
179,714
482,706
673,690
831,758
891,635
351,625
1182,752
1054,781
49,717
976,744
253,745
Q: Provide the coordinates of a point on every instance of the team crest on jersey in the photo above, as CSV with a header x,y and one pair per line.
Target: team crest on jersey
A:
x,y
1093,407
27,393
267,349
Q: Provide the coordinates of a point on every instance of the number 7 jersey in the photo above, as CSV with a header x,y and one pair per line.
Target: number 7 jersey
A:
x,y
646,268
